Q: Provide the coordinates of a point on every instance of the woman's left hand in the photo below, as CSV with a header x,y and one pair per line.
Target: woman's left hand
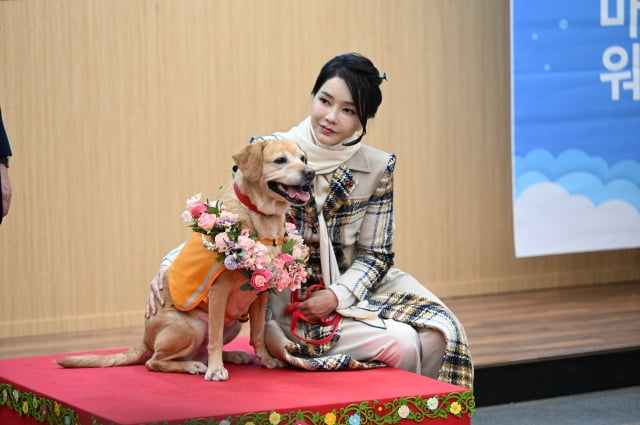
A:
x,y
321,304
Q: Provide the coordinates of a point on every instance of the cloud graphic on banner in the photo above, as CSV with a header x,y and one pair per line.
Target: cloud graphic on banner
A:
x,y
546,215
580,174
590,186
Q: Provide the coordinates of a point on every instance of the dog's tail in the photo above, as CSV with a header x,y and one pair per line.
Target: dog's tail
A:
x,y
135,355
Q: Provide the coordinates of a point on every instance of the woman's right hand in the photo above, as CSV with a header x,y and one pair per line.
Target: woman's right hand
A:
x,y
155,293
320,304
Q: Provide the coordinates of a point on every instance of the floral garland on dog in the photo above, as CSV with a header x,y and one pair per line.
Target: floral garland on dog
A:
x,y
238,249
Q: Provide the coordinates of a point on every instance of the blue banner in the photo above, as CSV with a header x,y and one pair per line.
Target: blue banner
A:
x,y
575,125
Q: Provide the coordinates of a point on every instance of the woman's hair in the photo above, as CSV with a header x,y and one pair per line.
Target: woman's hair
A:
x,y
362,79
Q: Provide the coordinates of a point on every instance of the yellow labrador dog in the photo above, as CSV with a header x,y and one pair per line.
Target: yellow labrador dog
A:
x,y
271,175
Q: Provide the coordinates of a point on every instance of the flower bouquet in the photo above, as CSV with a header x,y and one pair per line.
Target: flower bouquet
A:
x,y
238,249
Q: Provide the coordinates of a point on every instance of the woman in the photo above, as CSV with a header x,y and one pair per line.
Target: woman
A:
x,y
356,310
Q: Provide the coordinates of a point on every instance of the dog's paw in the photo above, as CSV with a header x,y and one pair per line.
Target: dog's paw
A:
x,y
271,362
236,357
212,374
195,368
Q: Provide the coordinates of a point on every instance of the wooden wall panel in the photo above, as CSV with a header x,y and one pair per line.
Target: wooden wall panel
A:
x,y
117,111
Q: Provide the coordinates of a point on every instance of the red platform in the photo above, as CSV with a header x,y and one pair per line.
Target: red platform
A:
x,y
36,390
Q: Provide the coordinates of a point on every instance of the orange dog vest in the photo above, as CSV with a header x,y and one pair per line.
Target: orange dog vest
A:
x,y
192,273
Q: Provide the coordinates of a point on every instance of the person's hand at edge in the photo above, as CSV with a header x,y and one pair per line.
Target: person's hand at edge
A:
x,y
155,292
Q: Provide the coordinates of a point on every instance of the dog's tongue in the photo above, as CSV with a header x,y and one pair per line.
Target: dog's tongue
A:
x,y
296,192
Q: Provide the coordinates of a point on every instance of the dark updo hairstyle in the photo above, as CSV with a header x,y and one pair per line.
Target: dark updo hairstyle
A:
x,y
362,79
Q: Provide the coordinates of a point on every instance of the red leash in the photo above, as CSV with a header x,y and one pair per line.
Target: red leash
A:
x,y
330,320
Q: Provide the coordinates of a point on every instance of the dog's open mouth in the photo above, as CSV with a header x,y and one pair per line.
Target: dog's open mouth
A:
x,y
296,195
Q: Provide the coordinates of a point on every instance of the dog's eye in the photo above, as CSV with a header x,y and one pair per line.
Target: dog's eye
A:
x,y
303,158
281,160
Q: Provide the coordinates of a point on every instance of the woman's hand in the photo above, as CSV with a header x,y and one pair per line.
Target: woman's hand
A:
x,y
6,189
155,294
321,304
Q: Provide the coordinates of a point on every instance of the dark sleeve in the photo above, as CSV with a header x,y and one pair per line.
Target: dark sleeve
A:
x,y
5,149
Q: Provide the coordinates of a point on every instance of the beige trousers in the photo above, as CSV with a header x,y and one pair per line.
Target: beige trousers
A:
x,y
396,344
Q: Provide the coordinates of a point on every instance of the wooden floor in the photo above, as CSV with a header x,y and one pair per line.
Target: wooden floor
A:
x,y
502,329
550,324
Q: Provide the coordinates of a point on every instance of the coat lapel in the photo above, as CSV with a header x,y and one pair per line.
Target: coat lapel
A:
x,y
340,187
343,182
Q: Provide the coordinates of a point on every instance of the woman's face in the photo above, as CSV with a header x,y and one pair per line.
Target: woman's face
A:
x,y
333,114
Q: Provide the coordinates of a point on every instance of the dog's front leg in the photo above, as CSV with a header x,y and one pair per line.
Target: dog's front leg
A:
x,y
256,335
218,295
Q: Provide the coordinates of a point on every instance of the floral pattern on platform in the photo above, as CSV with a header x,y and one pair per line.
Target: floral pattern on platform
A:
x,y
416,409
41,409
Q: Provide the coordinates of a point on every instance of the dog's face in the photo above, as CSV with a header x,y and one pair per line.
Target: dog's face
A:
x,y
279,167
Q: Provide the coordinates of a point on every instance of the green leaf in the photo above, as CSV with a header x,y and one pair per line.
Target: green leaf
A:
x,y
287,247
246,287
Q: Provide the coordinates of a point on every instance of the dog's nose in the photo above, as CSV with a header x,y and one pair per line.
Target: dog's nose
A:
x,y
309,173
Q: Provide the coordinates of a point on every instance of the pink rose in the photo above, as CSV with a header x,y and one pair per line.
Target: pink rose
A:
x,y
222,240
260,279
197,210
286,258
245,242
298,276
290,227
207,221
278,263
284,281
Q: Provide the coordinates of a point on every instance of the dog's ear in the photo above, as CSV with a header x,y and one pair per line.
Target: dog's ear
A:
x,y
249,161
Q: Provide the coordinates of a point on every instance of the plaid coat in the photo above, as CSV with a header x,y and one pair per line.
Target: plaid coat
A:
x,y
358,212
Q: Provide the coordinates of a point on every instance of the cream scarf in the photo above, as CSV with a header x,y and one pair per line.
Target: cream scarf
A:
x,y
324,160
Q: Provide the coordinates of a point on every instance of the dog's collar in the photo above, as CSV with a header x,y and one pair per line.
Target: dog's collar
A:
x,y
245,200
272,241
